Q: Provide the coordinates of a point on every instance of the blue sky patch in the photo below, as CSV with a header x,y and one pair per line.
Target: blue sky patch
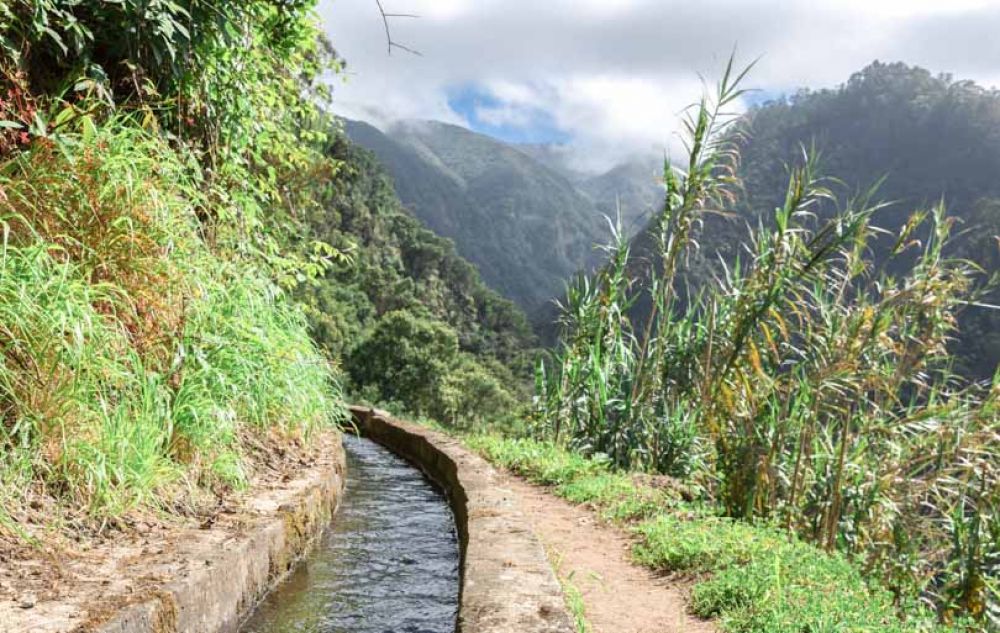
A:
x,y
761,96
534,125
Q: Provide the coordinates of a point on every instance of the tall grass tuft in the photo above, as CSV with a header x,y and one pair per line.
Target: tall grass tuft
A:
x,y
135,362
804,386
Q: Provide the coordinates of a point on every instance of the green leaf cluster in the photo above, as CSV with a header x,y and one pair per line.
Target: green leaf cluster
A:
x,y
413,321
808,383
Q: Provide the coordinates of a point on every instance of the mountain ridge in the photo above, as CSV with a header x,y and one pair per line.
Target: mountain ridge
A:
x,y
520,213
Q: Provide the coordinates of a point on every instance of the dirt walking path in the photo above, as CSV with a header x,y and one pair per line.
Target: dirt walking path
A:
x,y
619,596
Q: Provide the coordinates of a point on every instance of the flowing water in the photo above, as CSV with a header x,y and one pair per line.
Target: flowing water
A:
x,y
388,563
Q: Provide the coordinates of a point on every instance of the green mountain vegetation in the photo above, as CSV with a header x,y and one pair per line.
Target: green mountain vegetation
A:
x,y
808,387
525,226
923,138
148,193
412,320
932,138
631,187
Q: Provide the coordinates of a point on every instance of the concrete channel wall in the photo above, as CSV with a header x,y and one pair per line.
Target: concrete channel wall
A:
x,y
230,578
507,583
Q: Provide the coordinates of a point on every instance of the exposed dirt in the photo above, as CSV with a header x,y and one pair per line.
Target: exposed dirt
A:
x,y
619,596
74,576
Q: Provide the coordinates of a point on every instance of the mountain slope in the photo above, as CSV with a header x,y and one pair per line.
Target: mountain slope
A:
x,y
525,226
411,320
932,138
633,186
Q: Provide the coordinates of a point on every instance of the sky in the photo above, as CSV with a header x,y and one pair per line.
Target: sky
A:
x,y
609,79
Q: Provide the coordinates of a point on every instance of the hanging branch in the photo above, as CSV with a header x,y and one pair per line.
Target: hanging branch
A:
x,y
391,43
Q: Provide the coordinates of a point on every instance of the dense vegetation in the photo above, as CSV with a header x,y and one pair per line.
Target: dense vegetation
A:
x,y
753,577
148,198
412,320
196,263
930,138
525,226
808,386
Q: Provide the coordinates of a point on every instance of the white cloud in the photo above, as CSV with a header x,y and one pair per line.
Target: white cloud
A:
x,y
614,74
505,115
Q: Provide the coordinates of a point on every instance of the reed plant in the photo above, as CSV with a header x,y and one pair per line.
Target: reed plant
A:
x,y
804,386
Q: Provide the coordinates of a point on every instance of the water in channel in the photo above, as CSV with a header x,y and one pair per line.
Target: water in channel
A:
x,y
388,563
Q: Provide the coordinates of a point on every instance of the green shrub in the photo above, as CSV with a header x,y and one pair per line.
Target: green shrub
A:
x,y
406,358
132,358
415,362
755,578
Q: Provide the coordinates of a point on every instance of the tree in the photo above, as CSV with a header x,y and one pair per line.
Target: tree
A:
x,y
405,360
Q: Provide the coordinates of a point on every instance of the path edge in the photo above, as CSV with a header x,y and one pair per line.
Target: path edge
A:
x,y
219,596
507,584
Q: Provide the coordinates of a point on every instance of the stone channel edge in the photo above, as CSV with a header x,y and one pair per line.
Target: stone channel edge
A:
x,y
507,584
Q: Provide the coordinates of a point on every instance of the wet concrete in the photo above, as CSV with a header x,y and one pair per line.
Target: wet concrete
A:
x,y
507,583
389,562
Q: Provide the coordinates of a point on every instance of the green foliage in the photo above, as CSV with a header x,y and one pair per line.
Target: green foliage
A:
x,y
618,496
574,600
154,160
134,358
756,578
407,358
397,264
929,136
789,586
234,83
416,363
169,172
473,391
809,385
413,320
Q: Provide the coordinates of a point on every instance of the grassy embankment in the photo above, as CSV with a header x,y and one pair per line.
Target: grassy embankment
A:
x,y
755,578
135,358
149,354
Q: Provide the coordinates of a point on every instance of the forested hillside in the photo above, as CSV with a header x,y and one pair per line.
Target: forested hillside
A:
x,y
412,320
525,226
921,138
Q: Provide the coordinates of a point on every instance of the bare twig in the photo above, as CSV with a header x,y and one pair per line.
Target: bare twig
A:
x,y
391,43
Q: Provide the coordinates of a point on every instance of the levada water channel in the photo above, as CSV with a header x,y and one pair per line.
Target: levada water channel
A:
x,y
387,564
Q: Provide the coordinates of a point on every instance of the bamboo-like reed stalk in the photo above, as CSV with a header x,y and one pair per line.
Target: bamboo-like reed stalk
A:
x,y
805,385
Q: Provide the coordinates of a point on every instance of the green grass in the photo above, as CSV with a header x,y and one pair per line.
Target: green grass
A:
x,y
539,462
138,362
753,578
574,601
617,495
